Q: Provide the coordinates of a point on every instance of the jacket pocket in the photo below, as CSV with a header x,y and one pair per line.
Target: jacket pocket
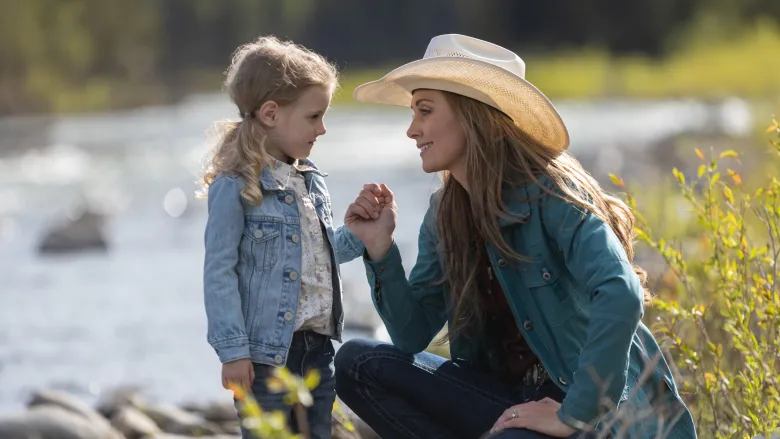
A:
x,y
543,279
264,239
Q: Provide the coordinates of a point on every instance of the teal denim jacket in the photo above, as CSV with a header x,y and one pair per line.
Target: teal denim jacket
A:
x,y
578,303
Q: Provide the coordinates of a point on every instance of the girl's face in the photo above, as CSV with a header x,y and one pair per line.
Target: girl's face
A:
x,y
438,133
294,128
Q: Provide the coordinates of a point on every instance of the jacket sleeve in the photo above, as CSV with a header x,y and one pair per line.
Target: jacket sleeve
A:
x,y
224,228
348,246
595,257
413,310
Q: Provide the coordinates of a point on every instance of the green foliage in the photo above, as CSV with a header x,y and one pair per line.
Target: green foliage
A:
x,y
297,394
719,307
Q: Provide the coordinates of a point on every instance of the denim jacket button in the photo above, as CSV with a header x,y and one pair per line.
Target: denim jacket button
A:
x,y
562,381
293,276
528,325
546,275
502,262
278,359
289,199
258,234
288,316
295,239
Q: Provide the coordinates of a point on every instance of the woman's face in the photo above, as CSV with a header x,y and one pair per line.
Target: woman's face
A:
x,y
437,132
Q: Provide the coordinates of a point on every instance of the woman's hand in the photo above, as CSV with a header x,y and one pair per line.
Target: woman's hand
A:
x,y
539,416
372,218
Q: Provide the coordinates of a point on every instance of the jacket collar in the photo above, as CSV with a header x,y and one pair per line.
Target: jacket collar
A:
x,y
305,166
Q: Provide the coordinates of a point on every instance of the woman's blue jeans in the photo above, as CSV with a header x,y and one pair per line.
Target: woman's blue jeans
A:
x,y
425,396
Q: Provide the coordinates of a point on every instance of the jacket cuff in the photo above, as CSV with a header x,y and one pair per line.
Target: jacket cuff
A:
x,y
355,244
575,418
232,349
385,268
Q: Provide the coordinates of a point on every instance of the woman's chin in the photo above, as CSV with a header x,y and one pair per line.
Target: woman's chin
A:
x,y
430,168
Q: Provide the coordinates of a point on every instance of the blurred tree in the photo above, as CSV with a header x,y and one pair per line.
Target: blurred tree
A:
x,y
56,52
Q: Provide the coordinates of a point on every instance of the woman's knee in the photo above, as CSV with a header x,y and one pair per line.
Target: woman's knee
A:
x,y
352,350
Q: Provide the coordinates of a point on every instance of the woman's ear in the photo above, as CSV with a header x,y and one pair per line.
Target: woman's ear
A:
x,y
267,113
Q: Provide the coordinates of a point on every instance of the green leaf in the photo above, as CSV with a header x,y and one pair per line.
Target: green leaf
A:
x,y
702,170
729,153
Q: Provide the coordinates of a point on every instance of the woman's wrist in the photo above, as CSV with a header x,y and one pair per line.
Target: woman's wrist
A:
x,y
377,248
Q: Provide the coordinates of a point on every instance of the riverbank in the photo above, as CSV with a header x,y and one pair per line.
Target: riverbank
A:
x,y
125,413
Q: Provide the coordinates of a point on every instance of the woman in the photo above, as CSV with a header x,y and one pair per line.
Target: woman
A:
x,y
522,254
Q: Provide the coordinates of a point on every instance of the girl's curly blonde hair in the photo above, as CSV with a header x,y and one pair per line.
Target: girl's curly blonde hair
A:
x,y
266,69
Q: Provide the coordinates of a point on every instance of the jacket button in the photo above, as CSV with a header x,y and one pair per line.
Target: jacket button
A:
x,y
562,381
502,262
289,199
293,275
278,359
258,234
288,316
295,239
546,275
528,325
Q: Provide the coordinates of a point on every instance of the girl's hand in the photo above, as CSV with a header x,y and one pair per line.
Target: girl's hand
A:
x,y
372,218
539,416
239,372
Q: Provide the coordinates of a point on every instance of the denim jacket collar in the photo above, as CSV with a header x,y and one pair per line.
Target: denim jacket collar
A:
x,y
305,166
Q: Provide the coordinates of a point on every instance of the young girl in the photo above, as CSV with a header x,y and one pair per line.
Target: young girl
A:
x,y
271,278
525,258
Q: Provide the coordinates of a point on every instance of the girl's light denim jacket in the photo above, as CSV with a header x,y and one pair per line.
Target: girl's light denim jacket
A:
x,y
252,266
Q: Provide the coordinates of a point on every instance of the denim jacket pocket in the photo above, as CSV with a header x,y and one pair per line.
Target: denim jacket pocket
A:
x,y
542,278
264,239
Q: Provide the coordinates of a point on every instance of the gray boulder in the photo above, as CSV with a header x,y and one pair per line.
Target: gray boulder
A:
x,y
81,234
50,422
134,424
172,419
55,398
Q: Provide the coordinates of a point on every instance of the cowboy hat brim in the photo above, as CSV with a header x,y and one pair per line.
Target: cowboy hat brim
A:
x,y
528,107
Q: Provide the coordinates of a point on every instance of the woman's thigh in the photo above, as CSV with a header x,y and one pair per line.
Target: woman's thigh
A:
x,y
406,390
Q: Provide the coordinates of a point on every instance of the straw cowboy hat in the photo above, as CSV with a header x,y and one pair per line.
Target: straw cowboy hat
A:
x,y
480,70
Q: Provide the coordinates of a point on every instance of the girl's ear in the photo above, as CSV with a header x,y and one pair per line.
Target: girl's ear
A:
x,y
267,113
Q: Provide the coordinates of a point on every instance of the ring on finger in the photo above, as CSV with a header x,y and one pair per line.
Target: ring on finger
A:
x,y
514,413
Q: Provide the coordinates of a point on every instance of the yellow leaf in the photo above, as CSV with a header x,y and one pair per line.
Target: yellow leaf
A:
x,y
617,180
773,127
312,379
238,391
729,153
734,176
275,385
699,153
729,195
702,170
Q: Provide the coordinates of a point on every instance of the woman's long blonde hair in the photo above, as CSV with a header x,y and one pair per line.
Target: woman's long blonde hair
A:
x,y
500,155
266,69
